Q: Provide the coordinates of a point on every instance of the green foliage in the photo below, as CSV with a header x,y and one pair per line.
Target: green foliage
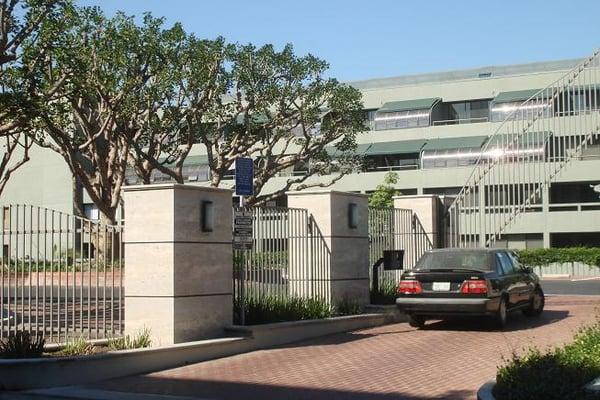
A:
x,y
22,345
77,347
266,259
386,293
383,196
268,309
139,340
543,257
347,307
557,374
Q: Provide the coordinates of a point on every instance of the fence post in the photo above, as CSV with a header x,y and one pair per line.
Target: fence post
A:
x,y
178,261
342,218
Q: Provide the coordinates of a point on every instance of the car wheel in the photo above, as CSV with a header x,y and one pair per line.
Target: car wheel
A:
x,y
537,304
501,314
416,321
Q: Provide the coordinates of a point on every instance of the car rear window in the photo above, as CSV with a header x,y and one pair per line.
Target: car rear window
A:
x,y
476,260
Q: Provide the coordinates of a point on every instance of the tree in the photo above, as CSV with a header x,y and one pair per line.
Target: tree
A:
x,y
108,73
20,22
273,106
383,196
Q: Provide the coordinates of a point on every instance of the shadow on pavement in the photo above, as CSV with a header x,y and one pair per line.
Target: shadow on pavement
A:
x,y
250,391
516,322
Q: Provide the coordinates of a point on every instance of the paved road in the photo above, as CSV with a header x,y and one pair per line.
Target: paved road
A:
x,y
446,360
571,287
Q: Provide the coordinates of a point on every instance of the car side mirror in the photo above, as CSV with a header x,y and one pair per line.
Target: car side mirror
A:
x,y
528,270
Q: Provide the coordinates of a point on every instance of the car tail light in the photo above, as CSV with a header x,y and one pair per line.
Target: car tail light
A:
x,y
475,286
410,287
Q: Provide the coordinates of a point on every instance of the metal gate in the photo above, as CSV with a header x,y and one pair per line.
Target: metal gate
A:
x,y
60,275
289,257
396,229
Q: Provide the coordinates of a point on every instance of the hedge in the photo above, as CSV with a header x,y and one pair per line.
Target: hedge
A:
x,y
557,374
543,257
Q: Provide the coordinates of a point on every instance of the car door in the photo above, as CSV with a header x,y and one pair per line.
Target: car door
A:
x,y
509,278
526,282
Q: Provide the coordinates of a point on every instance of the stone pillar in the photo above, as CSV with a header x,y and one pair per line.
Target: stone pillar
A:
x,y
349,244
178,261
427,209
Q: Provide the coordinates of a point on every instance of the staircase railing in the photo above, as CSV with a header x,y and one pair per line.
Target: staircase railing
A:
x,y
530,148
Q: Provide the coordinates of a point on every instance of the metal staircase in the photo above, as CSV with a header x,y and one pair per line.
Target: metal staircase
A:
x,y
536,141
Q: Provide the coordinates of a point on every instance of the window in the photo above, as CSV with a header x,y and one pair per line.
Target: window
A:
x,y
463,112
402,119
448,158
90,211
505,263
391,162
518,111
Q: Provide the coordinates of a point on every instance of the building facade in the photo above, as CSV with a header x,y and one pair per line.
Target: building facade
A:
x,y
430,129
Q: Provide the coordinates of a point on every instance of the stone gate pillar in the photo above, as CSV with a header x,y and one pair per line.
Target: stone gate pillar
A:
x,y
178,261
427,208
343,221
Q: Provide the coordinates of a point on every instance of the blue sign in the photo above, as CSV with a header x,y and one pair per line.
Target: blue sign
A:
x,y
244,177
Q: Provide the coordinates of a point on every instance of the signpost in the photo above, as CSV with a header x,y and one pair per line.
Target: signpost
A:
x,y
242,220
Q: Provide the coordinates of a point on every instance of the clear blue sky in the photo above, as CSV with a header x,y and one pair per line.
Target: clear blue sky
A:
x,y
378,38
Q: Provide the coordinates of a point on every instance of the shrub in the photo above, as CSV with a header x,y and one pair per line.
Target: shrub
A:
x,y
22,345
77,347
542,257
386,293
347,307
268,309
138,341
559,373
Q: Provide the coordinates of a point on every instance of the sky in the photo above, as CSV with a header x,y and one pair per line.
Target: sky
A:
x,y
381,38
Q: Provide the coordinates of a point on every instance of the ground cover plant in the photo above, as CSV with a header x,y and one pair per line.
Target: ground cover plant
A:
x,y
385,294
137,341
560,373
267,309
22,345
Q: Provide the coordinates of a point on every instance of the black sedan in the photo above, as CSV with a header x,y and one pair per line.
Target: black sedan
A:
x,y
469,282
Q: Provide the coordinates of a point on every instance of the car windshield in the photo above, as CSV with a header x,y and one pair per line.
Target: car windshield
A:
x,y
475,260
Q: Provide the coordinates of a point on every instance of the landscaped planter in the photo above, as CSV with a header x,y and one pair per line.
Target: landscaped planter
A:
x,y
485,392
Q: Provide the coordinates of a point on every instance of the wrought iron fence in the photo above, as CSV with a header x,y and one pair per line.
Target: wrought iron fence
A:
x,y
60,275
289,257
396,229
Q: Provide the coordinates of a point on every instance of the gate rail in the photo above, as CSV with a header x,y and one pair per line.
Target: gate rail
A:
x,y
289,257
60,275
396,229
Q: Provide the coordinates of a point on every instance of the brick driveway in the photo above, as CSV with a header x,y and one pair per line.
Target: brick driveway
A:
x,y
447,360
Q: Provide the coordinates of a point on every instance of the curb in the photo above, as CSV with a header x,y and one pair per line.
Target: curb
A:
x,y
485,391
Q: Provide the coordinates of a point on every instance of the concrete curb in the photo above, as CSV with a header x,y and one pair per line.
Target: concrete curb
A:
x,y
52,372
485,391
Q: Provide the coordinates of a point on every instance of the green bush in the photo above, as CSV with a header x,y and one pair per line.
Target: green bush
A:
x,y
543,257
386,293
347,307
77,347
22,345
268,309
138,341
557,374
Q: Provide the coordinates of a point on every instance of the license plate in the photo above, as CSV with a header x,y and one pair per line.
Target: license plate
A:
x,y
441,286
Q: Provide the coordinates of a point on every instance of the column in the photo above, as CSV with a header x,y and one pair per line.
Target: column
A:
x,y
178,261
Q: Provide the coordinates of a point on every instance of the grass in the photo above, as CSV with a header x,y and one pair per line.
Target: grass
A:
x,y
269,309
77,347
22,345
128,342
558,374
386,293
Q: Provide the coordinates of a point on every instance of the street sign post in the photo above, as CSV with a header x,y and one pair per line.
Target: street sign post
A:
x,y
242,223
